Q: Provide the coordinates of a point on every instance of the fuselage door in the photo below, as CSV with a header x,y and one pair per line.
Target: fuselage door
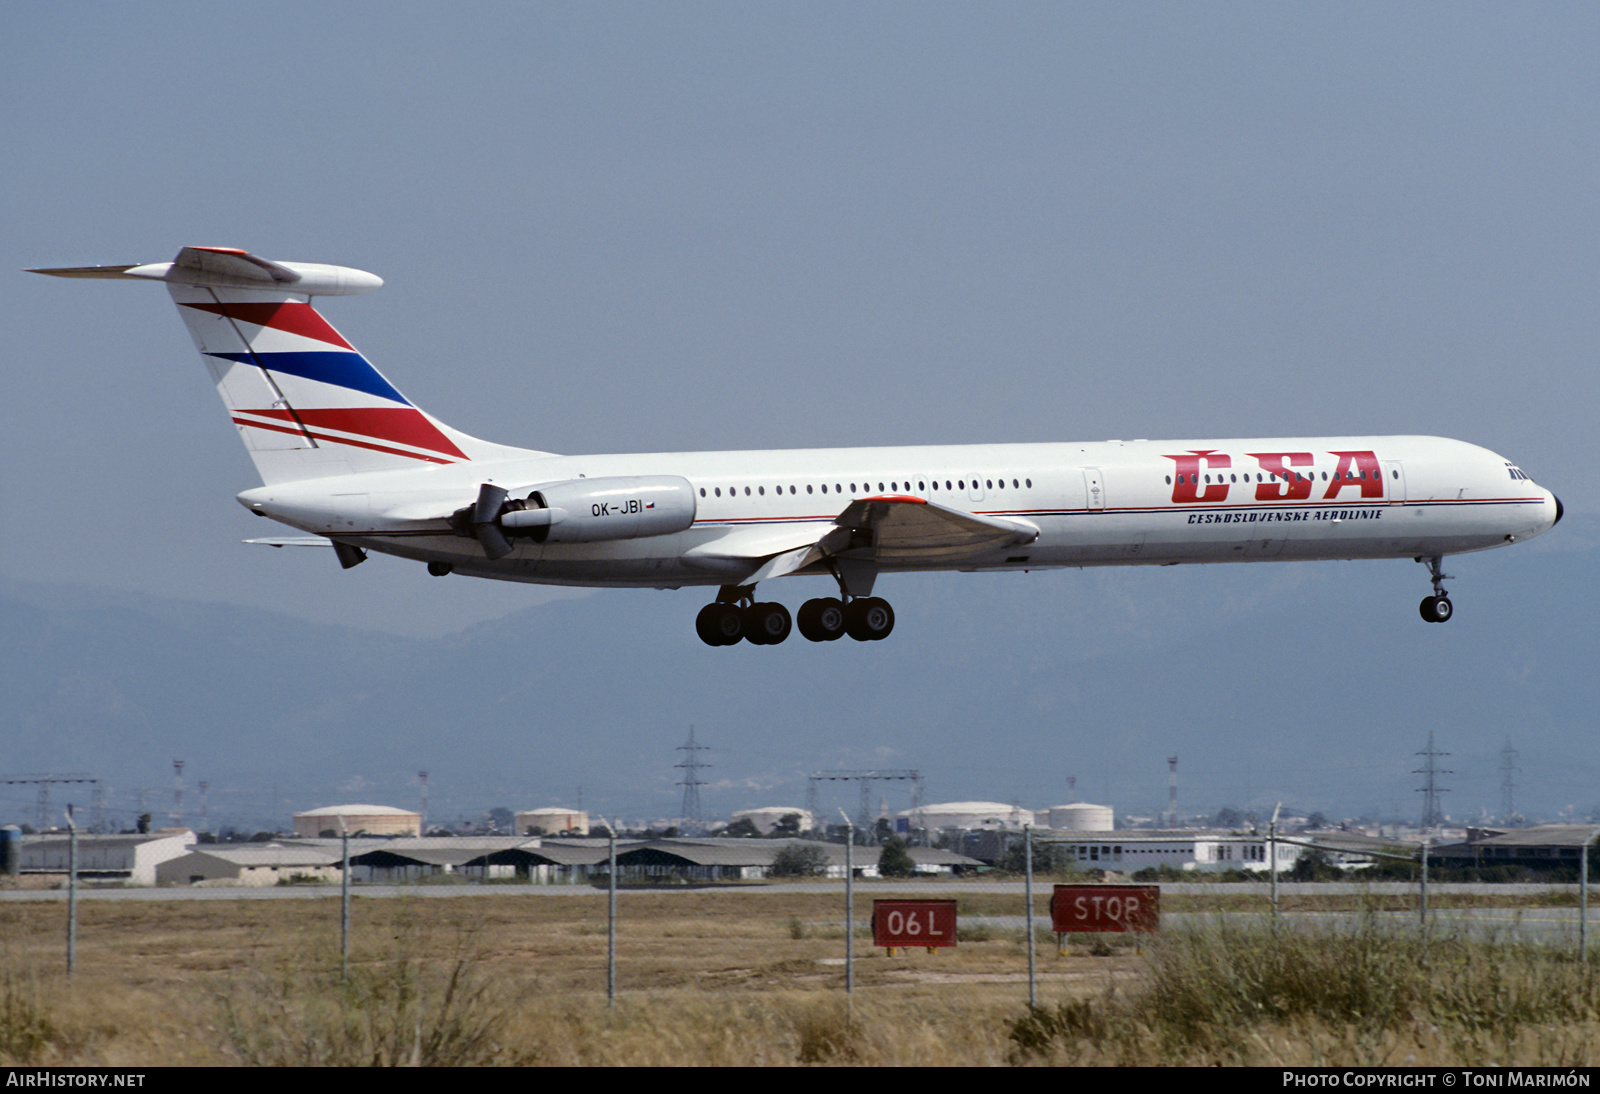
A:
x,y
1094,490
1394,481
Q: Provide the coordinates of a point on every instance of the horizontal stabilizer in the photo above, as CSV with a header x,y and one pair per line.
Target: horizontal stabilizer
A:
x,y
293,541
231,268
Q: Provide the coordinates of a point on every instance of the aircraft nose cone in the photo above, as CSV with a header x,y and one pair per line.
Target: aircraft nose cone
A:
x,y
1559,511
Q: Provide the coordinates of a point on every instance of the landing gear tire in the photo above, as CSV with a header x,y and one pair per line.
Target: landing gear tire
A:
x,y
440,569
870,619
1436,609
822,620
720,624
767,624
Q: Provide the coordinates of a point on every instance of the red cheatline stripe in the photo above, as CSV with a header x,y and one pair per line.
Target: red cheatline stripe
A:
x,y
289,315
400,425
340,440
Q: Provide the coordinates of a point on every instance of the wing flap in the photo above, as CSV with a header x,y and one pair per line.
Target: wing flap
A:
x,y
873,529
903,527
746,552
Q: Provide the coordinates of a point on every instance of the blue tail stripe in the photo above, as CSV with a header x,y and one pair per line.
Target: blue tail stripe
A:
x,y
349,370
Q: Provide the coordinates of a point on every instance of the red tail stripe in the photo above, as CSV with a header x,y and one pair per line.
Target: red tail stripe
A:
x,y
399,425
291,316
296,431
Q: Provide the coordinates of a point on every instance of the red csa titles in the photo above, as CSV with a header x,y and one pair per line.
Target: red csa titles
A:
x,y
1286,481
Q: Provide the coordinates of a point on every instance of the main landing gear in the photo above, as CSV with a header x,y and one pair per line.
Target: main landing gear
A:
x,y
1436,608
722,624
737,615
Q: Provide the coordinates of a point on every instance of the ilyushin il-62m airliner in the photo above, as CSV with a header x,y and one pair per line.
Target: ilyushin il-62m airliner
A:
x,y
343,455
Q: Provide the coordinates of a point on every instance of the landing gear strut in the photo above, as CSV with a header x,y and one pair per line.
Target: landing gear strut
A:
x,y
1436,608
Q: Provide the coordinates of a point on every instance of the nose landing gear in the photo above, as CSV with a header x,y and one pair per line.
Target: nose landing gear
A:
x,y
1436,608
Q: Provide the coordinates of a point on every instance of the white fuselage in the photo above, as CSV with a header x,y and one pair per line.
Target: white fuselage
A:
x,y
345,455
1094,504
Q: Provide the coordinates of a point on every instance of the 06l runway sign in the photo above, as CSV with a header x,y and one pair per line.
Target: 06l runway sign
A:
x,y
906,923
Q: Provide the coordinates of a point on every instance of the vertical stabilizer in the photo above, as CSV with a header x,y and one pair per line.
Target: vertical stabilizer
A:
x,y
306,403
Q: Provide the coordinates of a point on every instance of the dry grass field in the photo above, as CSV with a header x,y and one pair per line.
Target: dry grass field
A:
x,y
717,977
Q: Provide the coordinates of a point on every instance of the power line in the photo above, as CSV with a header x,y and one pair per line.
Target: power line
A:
x,y
866,779
1432,813
1508,784
46,781
690,813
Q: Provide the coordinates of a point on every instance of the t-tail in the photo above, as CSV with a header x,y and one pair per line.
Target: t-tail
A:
x,y
307,404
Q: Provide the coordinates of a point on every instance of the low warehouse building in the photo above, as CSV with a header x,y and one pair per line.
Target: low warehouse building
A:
x,y
251,866
130,859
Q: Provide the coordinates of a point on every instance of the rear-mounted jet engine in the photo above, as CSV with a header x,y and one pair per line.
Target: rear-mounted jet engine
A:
x,y
578,511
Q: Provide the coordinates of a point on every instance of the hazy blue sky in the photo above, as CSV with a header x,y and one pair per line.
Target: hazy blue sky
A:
x,y
636,227
616,227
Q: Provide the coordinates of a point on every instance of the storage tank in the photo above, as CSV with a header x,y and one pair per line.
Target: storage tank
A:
x,y
1081,817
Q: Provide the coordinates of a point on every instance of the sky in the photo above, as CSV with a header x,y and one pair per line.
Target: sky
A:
x,y
649,227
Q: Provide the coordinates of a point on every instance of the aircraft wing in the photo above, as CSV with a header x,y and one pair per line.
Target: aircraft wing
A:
x,y
904,527
888,527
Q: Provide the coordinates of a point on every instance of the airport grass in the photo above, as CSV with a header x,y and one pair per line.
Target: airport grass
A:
x,y
718,978
1233,992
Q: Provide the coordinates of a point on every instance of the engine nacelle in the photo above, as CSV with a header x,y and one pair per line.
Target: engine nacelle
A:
x,y
585,510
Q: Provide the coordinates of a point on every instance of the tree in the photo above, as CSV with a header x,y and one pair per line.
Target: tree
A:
x,y
788,826
144,824
600,831
503,819
895,861
743,828
799,860
1227,817
1015,858
1313,865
